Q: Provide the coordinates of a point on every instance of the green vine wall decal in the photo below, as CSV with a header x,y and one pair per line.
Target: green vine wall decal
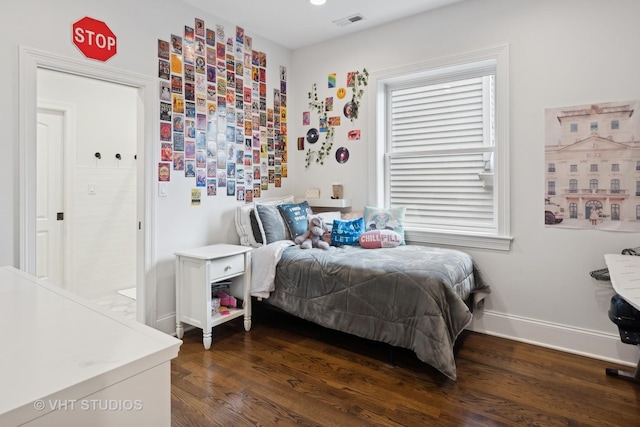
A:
x,y
360,80
325,148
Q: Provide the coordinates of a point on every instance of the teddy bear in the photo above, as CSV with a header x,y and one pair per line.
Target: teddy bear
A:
x,y
312,238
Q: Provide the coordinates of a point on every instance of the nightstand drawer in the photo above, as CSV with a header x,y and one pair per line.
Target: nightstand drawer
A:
x,y
228,266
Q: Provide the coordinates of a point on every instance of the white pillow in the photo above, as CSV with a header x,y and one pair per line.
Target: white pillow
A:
x,y
328,217
243,226
243,220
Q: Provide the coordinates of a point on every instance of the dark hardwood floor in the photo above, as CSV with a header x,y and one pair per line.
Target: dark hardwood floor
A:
x,y
288,372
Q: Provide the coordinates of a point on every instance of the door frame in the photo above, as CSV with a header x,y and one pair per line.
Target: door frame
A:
x,y
30,61
68,112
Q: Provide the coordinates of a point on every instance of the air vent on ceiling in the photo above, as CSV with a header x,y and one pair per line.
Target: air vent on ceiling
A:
x,y
349,20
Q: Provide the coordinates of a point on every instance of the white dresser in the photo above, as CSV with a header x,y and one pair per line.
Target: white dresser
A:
x,y
68,362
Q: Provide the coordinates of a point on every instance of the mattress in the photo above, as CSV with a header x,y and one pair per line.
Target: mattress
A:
x,y
415,297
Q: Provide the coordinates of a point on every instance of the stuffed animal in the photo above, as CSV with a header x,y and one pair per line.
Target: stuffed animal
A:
x,y
312,238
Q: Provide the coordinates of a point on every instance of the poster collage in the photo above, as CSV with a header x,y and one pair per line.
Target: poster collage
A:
x,y
215,125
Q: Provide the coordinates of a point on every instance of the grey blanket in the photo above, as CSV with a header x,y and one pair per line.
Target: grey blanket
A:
x,y
409,296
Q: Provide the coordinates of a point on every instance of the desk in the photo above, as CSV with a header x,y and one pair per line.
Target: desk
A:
x,y
624,271
67,362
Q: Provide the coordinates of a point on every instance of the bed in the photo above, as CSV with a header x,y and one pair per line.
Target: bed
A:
x,y
409,296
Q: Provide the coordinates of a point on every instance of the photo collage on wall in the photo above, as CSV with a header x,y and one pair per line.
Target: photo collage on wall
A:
x,y
216,127
330,115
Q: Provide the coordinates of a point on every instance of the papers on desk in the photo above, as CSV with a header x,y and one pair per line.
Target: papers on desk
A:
x,y
625,276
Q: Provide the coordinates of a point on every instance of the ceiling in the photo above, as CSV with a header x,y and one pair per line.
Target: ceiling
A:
x,y
296,23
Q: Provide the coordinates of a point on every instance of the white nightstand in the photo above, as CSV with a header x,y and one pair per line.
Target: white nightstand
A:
x,y
196,270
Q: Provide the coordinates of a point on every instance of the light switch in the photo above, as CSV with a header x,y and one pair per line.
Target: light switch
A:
x,y
92,189
162,189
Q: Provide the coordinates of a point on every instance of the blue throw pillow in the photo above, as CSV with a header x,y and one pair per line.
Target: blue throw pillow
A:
x,y
346,232
295,216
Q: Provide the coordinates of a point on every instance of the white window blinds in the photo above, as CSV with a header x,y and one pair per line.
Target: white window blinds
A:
x,y
440,148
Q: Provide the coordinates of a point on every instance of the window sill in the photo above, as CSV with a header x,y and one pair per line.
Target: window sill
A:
x,y
465,240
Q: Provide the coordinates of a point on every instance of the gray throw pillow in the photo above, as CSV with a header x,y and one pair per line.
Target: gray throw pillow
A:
x,y
271,223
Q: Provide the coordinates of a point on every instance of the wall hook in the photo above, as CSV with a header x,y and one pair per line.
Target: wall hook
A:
x,y
118,156
98,156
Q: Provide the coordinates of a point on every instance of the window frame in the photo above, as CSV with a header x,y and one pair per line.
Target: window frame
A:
x,y
573,186
501,240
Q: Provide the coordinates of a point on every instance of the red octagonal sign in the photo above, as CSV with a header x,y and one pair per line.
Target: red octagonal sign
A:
x,y
94,39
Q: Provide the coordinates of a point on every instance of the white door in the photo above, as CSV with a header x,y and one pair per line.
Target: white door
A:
x,y
50,197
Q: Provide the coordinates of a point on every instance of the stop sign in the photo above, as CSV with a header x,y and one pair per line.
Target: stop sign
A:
x,y
94,39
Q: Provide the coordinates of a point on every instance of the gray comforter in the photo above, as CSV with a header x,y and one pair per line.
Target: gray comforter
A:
x,y
409,296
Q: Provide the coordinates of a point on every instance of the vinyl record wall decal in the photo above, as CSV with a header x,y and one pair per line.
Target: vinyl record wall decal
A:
x,y
342,155
313,135
350,109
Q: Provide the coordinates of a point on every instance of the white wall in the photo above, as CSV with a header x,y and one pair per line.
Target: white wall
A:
x,y
101,226
562,53
40,25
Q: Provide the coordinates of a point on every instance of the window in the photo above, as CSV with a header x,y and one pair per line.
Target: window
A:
x,y
573,127
442,149
573,210
551,188
615,167
593,185
593,167
615,186
615,212
552,167
573,168
615,124
594,126
573,186
637,188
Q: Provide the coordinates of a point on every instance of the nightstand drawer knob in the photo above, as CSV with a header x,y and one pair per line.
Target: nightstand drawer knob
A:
x,y
228,267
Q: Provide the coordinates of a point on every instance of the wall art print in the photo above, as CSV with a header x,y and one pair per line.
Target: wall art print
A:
x,y
216,125
592,167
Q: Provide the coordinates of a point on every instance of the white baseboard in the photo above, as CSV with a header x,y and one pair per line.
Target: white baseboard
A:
x,y
597,345
167,324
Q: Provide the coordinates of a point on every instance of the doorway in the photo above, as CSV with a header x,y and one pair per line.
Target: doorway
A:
x,y
141,171
90,234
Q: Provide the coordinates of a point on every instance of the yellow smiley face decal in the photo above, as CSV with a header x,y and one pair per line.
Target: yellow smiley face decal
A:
x,y
342,92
